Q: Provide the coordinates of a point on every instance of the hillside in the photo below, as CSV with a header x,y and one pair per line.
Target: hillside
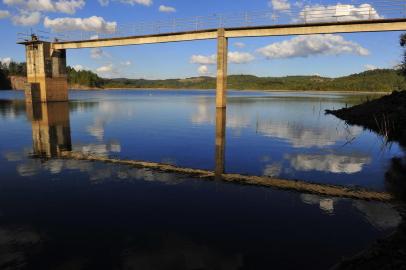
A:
x,y
380,80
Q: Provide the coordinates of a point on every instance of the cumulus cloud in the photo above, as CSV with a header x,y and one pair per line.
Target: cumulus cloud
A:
x,y
62,6
6,60
105,69
320,13
233,57
126,63
4,14
279,5
304,46
98,53
130,2
239,45
78,67
27,18
370,67
93,24
204,60
203,70
240,57
163,8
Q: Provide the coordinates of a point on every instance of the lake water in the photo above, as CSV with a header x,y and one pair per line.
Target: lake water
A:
x,y
70,214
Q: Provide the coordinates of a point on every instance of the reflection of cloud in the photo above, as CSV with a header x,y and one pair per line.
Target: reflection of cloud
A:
x,y
325,204
273,170
29,168
301,136
329,163
381,215
203,114
13,156
97,129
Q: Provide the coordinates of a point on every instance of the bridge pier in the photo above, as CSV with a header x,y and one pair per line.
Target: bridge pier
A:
x,y
46,72
220,150
222,52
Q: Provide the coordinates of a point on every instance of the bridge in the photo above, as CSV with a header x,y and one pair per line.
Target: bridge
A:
x,y
46,61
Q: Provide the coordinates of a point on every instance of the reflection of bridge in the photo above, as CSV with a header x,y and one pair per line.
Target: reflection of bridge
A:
x,y
46,62
52,139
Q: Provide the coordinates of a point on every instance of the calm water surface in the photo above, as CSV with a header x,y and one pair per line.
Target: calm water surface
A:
x,y
70,214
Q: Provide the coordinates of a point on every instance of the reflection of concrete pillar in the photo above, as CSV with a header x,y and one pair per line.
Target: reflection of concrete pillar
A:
x,y
220,141
46,73
222,51
50,128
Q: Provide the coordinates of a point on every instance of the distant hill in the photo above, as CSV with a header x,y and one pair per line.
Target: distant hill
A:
x,y
379,80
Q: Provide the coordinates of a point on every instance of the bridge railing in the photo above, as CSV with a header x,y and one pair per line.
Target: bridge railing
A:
x,y
293,13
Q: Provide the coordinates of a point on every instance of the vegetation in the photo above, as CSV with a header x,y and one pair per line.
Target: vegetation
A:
x,y
84,78
403,44
380,80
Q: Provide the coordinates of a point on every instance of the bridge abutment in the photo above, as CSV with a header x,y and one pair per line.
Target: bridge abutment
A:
x,y
222,53
46,73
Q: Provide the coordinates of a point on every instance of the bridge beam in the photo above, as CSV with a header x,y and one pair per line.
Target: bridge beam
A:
x,y
46,73
222,52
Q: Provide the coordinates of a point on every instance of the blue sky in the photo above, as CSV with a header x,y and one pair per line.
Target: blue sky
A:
x,y
331,55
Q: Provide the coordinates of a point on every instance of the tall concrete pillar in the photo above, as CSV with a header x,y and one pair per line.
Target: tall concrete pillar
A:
x,y
46,72
50,128
222,51
220,141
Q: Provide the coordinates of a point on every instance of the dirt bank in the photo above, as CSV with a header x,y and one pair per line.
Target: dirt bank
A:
x,y
386,116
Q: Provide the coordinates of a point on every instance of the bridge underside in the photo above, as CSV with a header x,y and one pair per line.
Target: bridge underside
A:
x,y
46,62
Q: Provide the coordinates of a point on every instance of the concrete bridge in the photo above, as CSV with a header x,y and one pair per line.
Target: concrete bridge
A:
x,y
46,61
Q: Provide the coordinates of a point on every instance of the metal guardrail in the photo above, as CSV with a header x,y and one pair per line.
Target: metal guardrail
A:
x,y
290,13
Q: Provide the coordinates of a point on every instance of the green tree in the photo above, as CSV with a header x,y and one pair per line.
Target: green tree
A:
x,y
403,44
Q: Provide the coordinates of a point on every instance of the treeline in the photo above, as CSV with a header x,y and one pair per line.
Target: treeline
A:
x,y
84,78
11,69
380,80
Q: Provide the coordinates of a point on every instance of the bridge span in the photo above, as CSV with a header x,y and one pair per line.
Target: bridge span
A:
x,y
46,61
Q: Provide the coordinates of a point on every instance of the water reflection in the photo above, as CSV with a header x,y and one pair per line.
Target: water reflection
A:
x,y
220,141
50,128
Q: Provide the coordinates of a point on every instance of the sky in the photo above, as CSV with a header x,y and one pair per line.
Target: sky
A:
x,y
331,55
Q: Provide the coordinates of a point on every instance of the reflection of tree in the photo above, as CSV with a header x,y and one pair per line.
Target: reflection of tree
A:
x,y
395,178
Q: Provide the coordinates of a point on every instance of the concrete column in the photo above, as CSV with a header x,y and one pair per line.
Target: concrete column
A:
x,y
46,69
220,141
50,128
222,51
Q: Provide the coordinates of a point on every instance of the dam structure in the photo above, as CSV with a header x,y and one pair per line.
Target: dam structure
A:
x,y
46,61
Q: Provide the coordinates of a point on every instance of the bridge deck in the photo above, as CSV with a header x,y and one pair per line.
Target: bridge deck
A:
x,y
379,25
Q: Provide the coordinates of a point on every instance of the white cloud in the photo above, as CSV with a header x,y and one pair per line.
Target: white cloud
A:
x,y
62,6
98,53
6,60
78,67
130,2
233,57
104,3
239,45
370,67
105,69
240,57
4,14
304,46
163,8
126,63
320,13
27,18
94,23
204,60
280,5
203,70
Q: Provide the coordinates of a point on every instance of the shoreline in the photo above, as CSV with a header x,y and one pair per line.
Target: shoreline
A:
x,y
235,90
